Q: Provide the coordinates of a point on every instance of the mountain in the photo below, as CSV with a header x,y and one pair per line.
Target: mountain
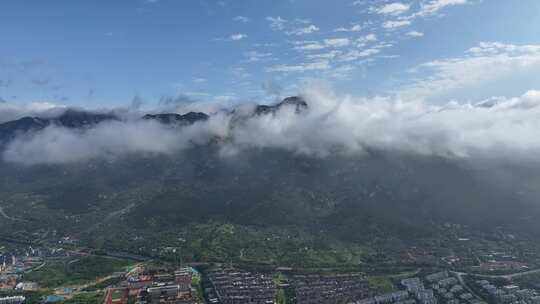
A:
x,y
295,101
264,205
173,118
74,119
69,119
11,129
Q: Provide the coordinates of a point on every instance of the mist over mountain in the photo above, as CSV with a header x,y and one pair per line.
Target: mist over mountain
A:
x,y
279,151
354,168
318,124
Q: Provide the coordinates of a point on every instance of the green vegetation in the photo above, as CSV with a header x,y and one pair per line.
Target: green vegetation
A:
x,y
73,271
377,214
86,298
104,284
281,297
382,284
197,283
528,281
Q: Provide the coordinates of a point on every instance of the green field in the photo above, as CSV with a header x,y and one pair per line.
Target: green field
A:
x,y
73,271
86,298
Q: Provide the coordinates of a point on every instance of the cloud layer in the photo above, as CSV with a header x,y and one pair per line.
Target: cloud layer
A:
x,y
498,127
10,111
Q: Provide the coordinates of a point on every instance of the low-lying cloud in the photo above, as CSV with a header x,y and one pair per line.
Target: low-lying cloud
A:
x,y
10,111
498,127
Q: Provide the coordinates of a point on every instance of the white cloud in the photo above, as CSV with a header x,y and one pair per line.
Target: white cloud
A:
x,y
341,72
337,42
277,23
499,127
11,111
427,8
493,48
434,6
304,67
296,27
237,37
354,28
356,54
303,30
328,55
486,62
354,125
415,34
393,24
316,45
254,56
367,38
242,19
110,140
394,9
312,46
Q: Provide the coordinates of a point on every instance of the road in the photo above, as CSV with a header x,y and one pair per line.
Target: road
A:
x,y
37,267
3,214
499,276
460,275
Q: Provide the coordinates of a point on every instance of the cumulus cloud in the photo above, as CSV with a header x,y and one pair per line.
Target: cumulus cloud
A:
x,y
307,46
233,37
485,62
357,54
396,8
434,6
296,27
498,127
355,125
337,42
303,30
237,37
393,24
354,28
414,34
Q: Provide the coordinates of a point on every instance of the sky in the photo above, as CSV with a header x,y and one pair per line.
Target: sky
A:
x,y
105,54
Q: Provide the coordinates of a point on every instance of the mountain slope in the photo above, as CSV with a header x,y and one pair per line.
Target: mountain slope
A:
x,y
263,193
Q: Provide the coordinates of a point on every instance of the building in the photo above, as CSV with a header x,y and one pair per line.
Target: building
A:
x,y
117,296
339,288
12,300
437,276
232,286
27,286
168,294
183,278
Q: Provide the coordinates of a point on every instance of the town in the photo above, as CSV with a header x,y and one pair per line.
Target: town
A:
x,y
61,274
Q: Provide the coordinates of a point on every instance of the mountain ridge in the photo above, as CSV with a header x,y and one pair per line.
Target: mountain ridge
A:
x,y
77,119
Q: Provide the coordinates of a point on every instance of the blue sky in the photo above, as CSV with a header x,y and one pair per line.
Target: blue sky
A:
x,y
103,53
